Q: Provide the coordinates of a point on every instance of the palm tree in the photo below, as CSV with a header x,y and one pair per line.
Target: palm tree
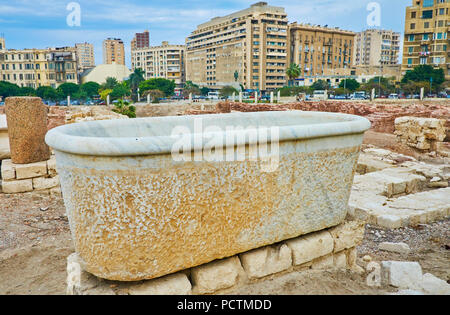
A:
x,y
136,78
293,71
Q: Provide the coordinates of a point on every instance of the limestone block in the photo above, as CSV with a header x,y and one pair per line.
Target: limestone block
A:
x,y
323,263
27,126
217,275
174,284
51,166
347,235
5,152
352,254
340,260
389,221
267,260
40,183
433,285
17,186
31,170
8,171
400,248
311,246
402,274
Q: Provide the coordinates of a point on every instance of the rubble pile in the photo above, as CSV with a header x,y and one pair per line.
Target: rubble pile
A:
x,y
420,133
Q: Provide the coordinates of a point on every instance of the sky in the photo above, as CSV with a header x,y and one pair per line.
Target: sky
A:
x,y
43,23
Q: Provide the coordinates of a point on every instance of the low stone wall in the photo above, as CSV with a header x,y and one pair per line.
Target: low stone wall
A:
x,y
19,178
327,249
420,133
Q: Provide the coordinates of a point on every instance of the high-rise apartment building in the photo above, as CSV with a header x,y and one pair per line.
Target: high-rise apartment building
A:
x,y
2,44
39,67
141,40
113,51
319,50
85,55
426,39
248,47
164,61
374,47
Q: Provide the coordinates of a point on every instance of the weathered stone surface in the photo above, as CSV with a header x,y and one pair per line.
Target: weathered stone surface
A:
x,y
340,260
264,261
217,275
389,221
323,263
40,183
17,186
433,285
8,170
420,133
311,246
27,126
402,274
31,170
51,166
400,248
174,284
347,235
352,254
5,152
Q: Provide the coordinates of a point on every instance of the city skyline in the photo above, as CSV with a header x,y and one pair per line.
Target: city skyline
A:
x,y
42,23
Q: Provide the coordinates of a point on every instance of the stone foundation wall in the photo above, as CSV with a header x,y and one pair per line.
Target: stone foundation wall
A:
x,y
19,178
420,133
327,249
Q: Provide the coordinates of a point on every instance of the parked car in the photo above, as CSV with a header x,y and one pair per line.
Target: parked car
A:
x,y
2,103
340,97
393,96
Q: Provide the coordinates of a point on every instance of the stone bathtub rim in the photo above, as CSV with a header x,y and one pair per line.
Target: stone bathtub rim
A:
x,y
59,138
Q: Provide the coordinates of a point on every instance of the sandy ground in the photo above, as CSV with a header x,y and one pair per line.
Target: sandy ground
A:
x,y
35,241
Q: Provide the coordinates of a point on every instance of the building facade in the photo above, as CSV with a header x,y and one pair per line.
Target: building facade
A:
x,y
248,47
164,61
39,67
141,40
113,51
85,55
426,39
375,47
320,50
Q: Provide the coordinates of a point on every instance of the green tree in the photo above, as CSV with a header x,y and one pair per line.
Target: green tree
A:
x,y
424,73
204,91
164,85
27,91
124,108
341,91
293,72
135,79
120,91
383,85
80,95
91,88
8,89
156,95
67,89
320,85
49,93
110,83
228,91
350,84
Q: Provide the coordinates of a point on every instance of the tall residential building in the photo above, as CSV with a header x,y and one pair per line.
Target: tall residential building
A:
x,y
39,67
251,43
375,47
2,44
165,61
85,55
319,50
113,51
426,39
141,40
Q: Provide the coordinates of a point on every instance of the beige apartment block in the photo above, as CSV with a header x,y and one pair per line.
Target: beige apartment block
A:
x,y
39,67
113,51
320,50
426,41
251,42
374,47
85,56
164,61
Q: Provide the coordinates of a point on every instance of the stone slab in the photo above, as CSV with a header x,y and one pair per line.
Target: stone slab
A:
x,y
265,261
309,247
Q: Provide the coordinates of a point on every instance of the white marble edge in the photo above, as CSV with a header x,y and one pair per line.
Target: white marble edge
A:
x,y
60,139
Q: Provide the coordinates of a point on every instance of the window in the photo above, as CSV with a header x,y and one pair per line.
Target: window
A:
x,y
410,49
425,36
411,38
428,3
427,14
441,11
413,15
426,25
412,26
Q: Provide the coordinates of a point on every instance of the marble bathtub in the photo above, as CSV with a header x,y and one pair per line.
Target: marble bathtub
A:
x,y
138,210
